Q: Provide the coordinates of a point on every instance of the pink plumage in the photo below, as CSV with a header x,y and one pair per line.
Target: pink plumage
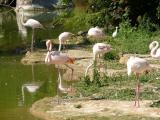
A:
x,y
138,66
56,57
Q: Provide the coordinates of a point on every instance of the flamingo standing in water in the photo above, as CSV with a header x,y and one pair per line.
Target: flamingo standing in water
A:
x,y
155,51
95,32
34,24
56,57
98,48
63,37
138,66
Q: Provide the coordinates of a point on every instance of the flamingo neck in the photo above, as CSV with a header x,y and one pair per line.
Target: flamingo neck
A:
x,y
92,62
48,57
50,47
154,49
22,20
60,45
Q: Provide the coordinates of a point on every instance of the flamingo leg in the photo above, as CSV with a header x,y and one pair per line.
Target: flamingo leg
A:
x,y
89,67
32,42
63,43
59,77
71,70
137,91
66,45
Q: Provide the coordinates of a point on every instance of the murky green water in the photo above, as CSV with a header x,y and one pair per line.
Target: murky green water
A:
x,y
13,77
15,97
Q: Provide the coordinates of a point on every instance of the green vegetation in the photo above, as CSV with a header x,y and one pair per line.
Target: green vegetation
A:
x,y
119,86
156,104
132,39
135,32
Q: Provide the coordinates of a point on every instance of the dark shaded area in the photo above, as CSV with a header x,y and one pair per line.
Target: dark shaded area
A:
x,y
11,3
138,11
141,8
45,3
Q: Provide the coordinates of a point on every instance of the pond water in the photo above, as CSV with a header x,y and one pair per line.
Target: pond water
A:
x,y
14,105
21,85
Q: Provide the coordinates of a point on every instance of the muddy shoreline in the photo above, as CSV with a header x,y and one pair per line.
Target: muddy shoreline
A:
x,y
49,109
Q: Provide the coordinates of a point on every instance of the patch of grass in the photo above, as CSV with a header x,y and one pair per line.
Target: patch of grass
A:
x,y
131,39
119,87
155,104
114,64
112,55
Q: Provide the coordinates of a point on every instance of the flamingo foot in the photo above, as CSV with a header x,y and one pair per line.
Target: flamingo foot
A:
x,y
136,104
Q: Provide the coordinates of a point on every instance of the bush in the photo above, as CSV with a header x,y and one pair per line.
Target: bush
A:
x,y
132,39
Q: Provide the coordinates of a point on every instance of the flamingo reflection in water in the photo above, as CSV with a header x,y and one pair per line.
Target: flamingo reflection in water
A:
x,y
58,58
30,87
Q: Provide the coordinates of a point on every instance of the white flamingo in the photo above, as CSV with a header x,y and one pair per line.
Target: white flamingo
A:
x,y
95,32
63,37
155,51
115,32
34,24
137,66
98,48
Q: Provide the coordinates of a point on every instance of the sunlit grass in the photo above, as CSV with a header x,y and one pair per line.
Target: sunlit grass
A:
x,y
120,87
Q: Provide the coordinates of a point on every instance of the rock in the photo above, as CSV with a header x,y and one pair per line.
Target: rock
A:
x,y
34,57
123,59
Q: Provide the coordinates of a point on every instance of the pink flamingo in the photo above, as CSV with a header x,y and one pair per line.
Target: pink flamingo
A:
x,y
98,48
58,58
155,51
137,66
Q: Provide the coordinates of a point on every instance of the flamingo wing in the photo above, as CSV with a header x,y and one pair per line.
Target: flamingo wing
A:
x,y
33,23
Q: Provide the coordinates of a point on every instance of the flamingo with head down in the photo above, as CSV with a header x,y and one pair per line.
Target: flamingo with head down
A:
x,y
63,37
98,48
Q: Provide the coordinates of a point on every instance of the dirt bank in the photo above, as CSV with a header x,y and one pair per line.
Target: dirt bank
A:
x,y
83,59
48,109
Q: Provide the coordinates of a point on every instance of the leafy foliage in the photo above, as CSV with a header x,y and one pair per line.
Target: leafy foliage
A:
x,y
119,87
118,10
